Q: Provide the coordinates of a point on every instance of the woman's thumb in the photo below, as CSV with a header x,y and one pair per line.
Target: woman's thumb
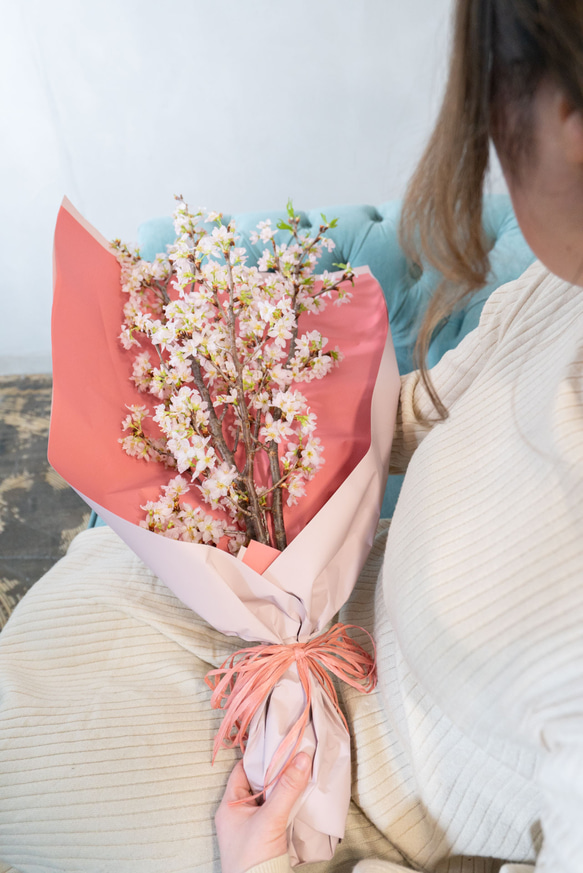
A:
x,y
289,787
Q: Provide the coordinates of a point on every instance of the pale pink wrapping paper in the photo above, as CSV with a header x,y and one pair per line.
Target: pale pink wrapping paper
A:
x,y
304,587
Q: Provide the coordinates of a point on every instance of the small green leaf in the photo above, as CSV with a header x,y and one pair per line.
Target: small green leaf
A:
x,y
281,225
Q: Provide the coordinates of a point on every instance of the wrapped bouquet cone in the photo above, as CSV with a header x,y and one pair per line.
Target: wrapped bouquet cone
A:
x,y
278,695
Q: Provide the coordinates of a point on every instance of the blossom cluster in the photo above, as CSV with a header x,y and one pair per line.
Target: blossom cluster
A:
x,y
218,347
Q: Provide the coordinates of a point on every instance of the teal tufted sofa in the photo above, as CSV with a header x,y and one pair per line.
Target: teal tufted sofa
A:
x,y
367,235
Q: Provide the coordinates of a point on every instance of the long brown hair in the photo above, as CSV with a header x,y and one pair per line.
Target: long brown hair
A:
x,y
501,51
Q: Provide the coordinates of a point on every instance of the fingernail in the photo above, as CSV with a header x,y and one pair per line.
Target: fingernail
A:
x,y
302,762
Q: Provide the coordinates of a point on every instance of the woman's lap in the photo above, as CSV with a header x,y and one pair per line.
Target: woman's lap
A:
x,y
106,724
106,727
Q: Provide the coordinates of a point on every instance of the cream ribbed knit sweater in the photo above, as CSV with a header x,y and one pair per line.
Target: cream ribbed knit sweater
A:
x,y
472,747
477,748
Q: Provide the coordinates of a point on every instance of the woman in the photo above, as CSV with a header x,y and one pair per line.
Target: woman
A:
x,y
475,748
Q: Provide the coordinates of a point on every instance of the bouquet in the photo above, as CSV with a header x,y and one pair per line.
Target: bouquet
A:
x,y
232,507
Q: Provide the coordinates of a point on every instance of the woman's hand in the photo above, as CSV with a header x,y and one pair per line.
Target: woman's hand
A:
x,y
249,834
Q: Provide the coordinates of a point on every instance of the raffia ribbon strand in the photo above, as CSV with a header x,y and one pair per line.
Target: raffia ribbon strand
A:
x,y
248,676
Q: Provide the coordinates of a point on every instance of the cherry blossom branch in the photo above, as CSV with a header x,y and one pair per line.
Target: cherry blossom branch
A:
x,y
262,534
276,498
214,423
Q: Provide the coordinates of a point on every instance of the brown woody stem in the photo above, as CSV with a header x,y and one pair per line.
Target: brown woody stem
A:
x,y
276,500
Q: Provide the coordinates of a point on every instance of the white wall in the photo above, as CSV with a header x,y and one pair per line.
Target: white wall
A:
x,y
237,104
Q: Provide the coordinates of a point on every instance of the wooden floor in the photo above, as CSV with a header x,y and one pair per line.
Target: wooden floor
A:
x,y
39,513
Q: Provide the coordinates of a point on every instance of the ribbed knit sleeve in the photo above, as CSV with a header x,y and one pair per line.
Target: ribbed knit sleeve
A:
x,y
455,372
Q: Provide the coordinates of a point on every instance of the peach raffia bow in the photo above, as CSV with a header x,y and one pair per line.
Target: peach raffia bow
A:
x,y
248,676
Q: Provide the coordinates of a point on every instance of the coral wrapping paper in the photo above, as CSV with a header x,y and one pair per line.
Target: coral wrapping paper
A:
x,y
330,531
